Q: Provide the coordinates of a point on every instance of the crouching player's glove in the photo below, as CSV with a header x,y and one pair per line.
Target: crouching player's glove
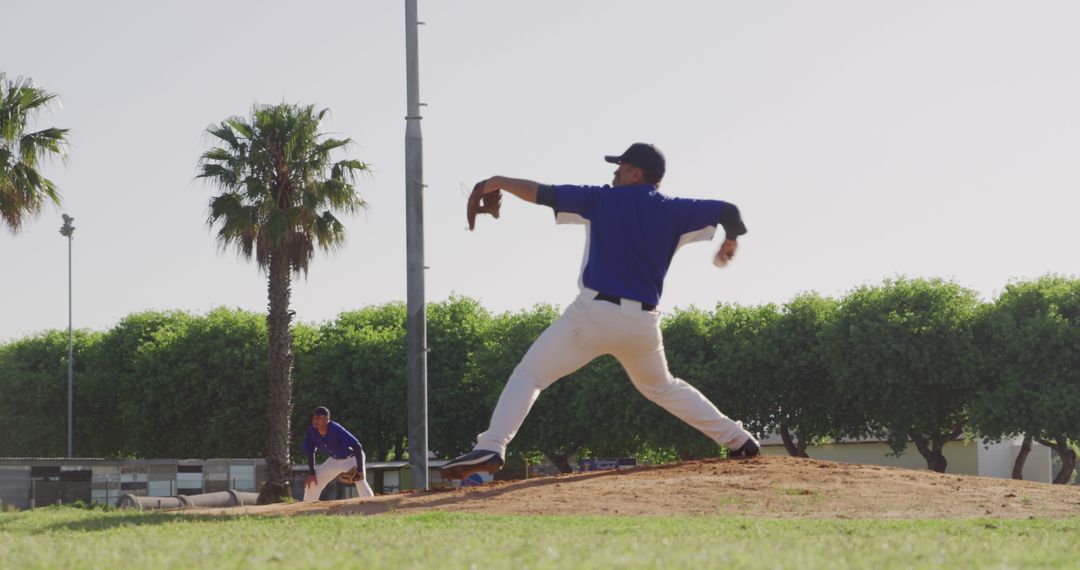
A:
x,y
349,477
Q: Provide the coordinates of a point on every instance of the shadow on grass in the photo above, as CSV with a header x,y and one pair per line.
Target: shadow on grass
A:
x,y
119,519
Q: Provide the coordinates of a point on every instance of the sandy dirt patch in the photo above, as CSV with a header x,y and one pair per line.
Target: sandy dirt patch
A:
x,y
779,487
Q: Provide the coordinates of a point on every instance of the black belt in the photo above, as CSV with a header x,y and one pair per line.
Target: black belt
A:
x,y
618,301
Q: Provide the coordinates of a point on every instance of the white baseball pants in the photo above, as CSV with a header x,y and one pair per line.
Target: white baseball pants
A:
x,y
590,328
329,470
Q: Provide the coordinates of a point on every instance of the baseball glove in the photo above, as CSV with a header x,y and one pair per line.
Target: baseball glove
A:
x,y
349,477
480,203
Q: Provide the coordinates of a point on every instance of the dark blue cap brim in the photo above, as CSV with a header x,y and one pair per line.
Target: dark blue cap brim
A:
x,y
614,159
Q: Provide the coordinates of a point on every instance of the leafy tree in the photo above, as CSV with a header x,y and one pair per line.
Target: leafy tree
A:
x,y
211,376
111,392
33,382
903,353
194,387
281,191
23,190
738,335
1030,341
456,331
601,413
305,338
805,400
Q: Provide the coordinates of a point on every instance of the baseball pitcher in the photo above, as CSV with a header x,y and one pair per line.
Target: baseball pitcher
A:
x,y
633,232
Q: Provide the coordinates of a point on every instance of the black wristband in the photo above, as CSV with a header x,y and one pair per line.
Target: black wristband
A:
x,y
358,453
731,220
545,195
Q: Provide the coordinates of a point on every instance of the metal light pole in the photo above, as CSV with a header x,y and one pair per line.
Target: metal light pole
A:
x,y
416,327
67,231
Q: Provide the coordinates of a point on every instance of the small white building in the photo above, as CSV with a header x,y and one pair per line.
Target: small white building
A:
x,y
26,482
964,457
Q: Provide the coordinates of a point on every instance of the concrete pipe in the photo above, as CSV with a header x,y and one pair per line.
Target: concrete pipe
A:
x,y
228,498
141,503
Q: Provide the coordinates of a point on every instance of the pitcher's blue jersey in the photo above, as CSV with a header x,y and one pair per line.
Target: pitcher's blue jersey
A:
x,y
634,231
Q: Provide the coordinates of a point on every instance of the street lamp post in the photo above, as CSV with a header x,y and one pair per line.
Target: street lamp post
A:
x,y
67,231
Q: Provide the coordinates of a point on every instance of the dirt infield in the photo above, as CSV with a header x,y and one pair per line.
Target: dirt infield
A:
x,y
782,487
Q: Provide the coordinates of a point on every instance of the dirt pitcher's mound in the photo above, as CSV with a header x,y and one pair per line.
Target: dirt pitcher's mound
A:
x,y
784,487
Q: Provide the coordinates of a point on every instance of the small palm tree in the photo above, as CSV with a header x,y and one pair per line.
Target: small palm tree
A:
x,y
280,193
23,190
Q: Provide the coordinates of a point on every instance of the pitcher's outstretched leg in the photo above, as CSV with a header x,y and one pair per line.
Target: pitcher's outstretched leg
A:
x,y
648,371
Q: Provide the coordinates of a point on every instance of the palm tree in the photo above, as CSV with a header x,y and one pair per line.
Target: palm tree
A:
x,y
280,193
23,190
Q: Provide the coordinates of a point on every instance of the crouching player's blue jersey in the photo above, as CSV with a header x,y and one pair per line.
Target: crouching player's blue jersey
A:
x,y
337,443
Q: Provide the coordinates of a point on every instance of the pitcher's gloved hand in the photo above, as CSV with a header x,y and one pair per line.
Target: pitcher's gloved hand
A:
x,y
480,203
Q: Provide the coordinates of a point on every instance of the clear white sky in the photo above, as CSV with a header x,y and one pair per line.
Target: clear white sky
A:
x,y
861,140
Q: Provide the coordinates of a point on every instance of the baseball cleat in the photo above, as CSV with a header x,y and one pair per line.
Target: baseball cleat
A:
x,y
748,449
475,461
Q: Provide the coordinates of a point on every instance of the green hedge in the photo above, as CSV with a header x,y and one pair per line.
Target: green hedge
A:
x,y
908,360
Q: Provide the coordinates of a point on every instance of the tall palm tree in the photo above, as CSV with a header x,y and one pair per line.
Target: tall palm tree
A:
x,y
280,193
23,190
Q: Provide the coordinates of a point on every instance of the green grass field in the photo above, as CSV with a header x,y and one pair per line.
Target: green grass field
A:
x,y
73,538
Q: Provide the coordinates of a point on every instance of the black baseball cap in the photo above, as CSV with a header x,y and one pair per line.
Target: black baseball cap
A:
x,y
644,156
321,411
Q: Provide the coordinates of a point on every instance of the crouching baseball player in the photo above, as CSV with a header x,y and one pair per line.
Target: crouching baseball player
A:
x,y
632,233
346,457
